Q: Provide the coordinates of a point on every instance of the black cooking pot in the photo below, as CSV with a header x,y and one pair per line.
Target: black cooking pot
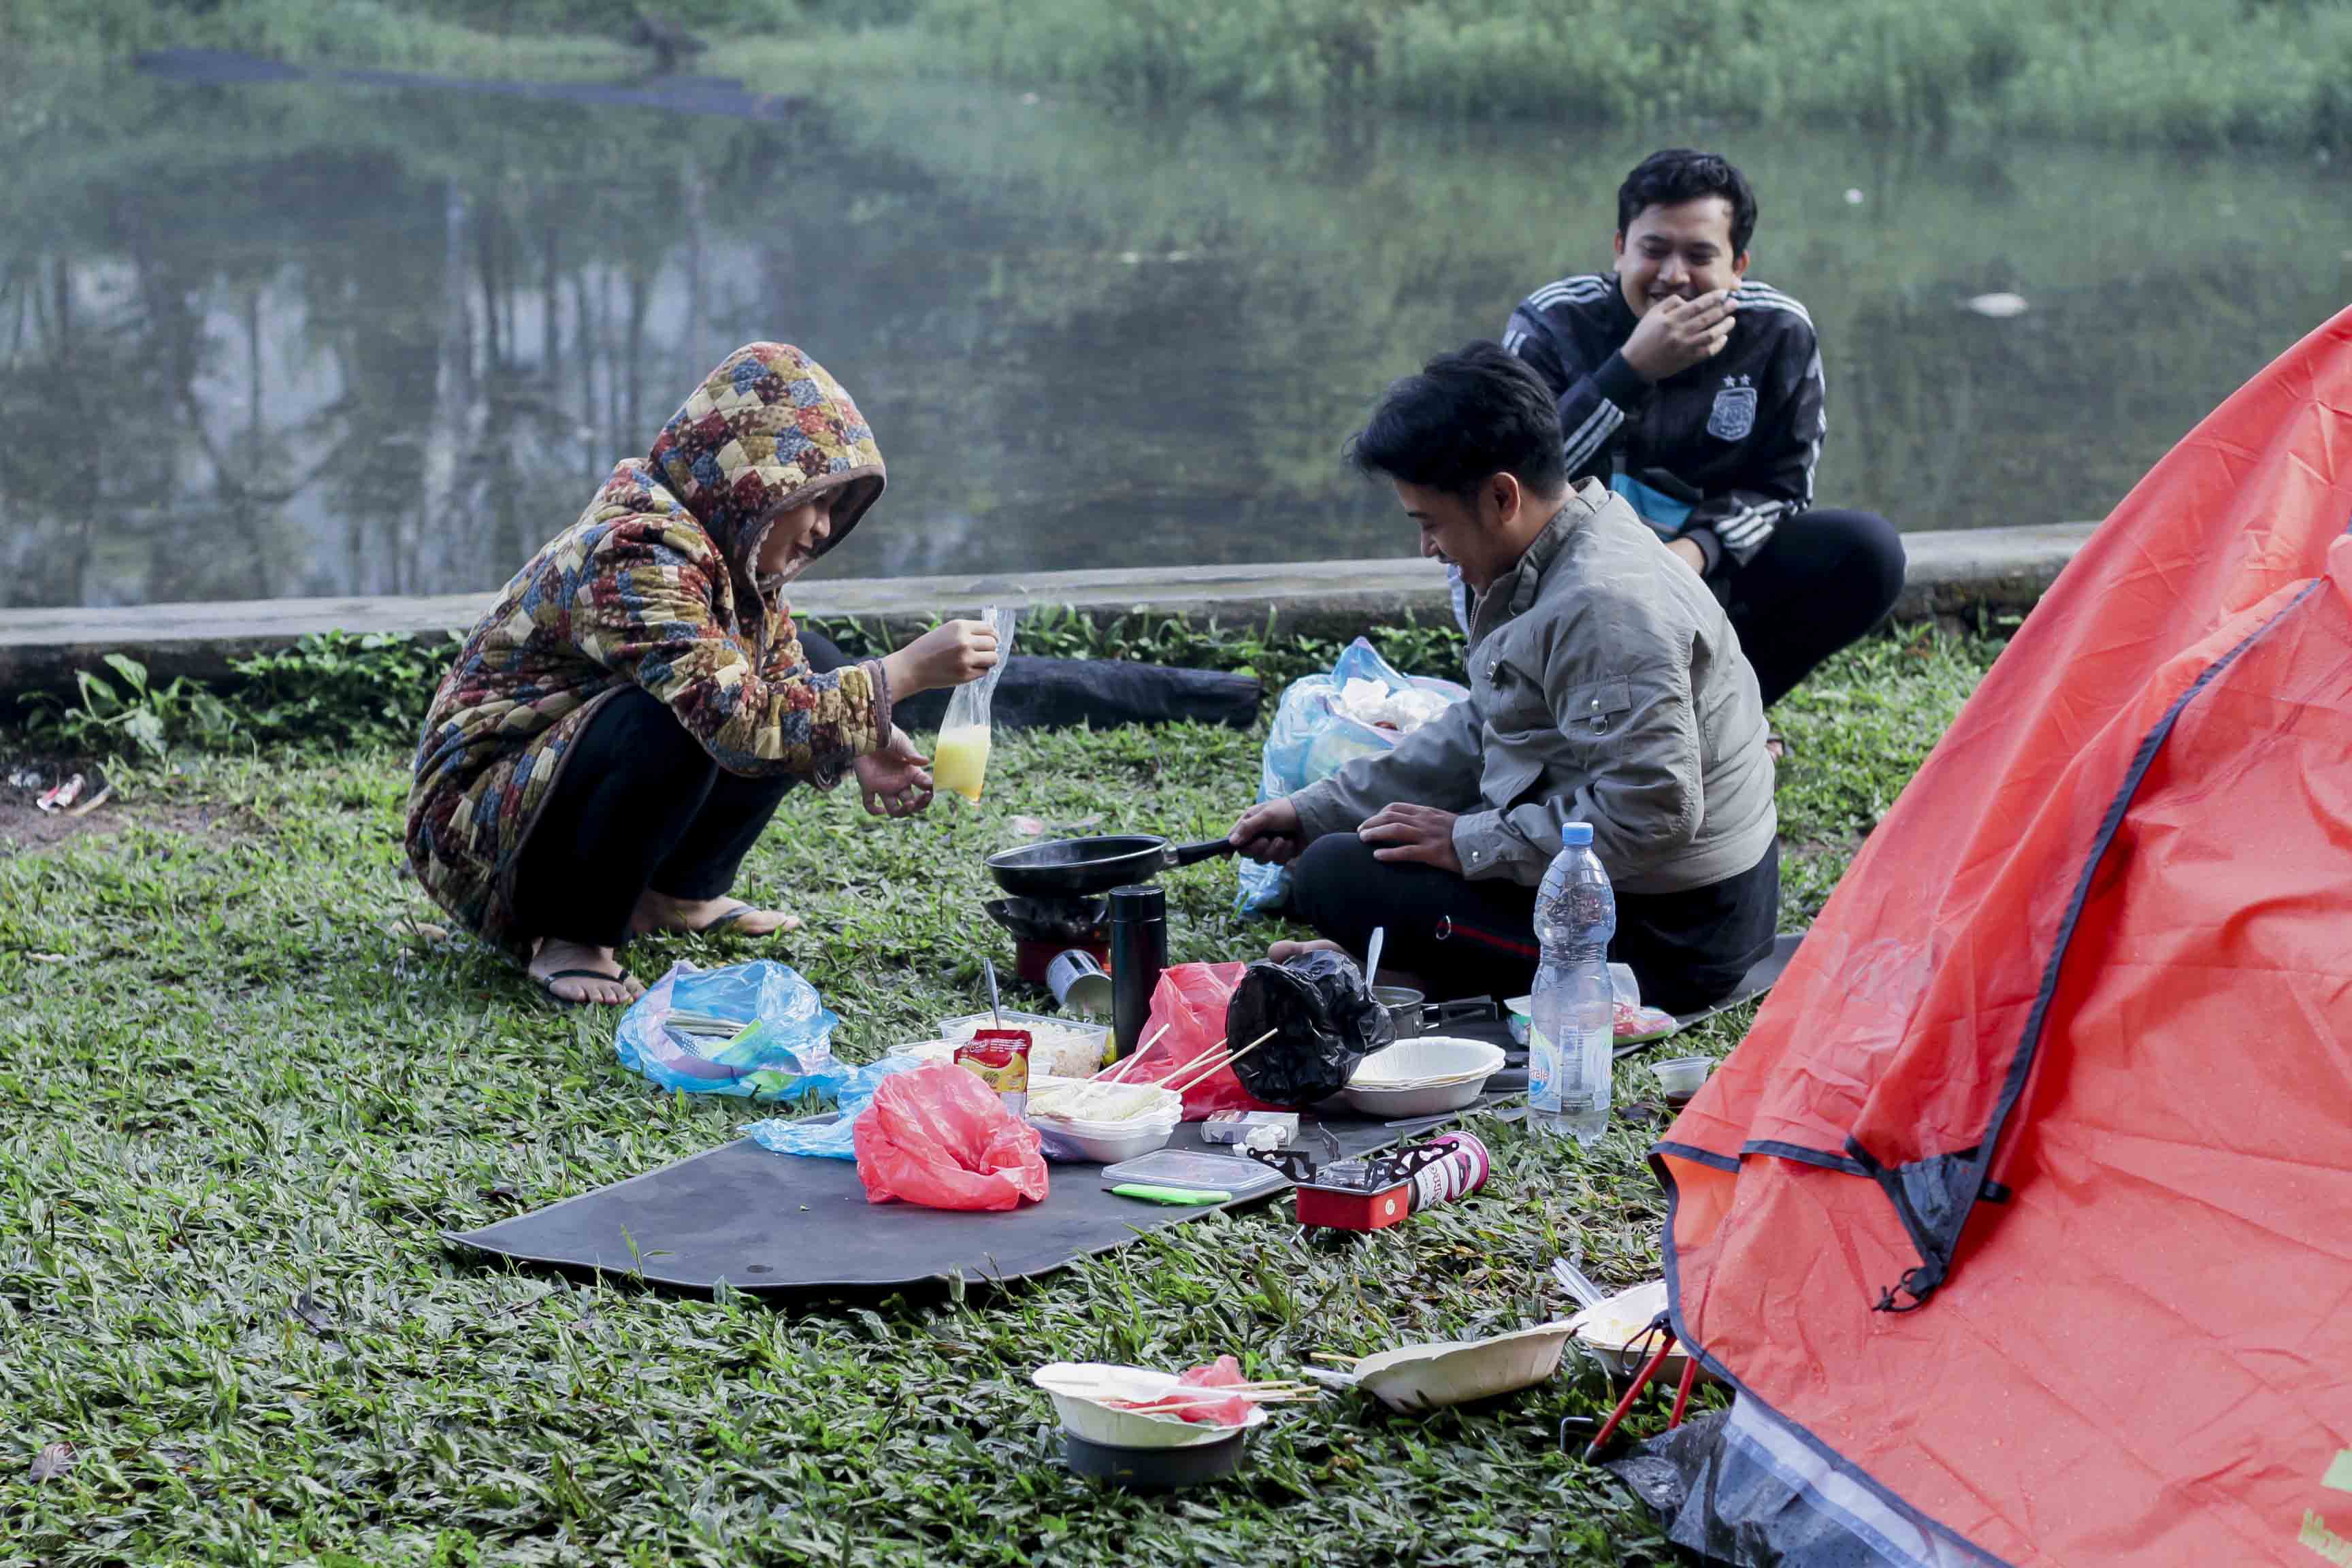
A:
x,y
1077,867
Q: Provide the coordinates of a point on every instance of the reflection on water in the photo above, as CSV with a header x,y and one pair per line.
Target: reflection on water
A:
x,y
294,338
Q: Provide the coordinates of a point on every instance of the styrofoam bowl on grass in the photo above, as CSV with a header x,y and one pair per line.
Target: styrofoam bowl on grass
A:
x,y
1078,1388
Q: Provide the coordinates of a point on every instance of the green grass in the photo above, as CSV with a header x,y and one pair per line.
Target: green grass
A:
x,y
242,1094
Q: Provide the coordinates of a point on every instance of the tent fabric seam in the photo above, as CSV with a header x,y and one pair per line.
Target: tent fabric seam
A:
x,y
2029,1045
1715,1365
1822,1158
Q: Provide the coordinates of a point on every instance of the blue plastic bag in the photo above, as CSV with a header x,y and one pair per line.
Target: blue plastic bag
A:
x,y
787,1056
830,1140
1312,739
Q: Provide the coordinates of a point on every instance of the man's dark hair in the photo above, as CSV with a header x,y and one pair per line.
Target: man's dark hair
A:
x,y
1679,175
1468,417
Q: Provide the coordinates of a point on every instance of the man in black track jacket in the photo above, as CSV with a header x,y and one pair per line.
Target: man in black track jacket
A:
x,y
1698,396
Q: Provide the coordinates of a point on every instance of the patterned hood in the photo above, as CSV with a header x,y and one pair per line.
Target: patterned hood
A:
x,y
768,429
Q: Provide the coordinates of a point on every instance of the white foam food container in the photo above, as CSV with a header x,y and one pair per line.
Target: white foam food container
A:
x,y
1078,1390
1424,1076
1090,1144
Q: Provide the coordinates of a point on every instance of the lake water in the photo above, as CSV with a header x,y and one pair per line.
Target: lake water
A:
x,y
267,338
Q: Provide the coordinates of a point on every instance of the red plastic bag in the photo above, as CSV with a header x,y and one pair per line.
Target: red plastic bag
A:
x,y
940,1138
1190,1001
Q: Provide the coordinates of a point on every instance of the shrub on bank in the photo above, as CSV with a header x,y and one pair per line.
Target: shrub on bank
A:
x,y
2189,72
339,689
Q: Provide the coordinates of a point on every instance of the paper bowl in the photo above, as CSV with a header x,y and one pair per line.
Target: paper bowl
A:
x,y
1613,1333
1413,1378
1076,1388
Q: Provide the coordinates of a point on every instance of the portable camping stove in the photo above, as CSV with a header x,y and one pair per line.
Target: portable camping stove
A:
x,y
1369,1193
1042,928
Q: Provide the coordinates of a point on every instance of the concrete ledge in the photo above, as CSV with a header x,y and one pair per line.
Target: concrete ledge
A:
x,y
2000,569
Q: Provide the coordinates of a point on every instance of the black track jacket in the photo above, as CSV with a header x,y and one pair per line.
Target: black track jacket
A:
x,y
1737,435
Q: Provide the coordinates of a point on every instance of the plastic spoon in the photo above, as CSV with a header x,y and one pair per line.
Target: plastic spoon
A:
x,y
1573,1278
995,1012
1372,955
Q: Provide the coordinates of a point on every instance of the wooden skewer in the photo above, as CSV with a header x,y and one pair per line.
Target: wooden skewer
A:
x,y
1204,1395
1197,1071
1118,1073
1226,1061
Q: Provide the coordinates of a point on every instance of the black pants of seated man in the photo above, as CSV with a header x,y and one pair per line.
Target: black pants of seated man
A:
x,y
1689,950
1823,580
639,805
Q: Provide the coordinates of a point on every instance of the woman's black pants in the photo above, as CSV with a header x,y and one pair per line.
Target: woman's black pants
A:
x,y
639,805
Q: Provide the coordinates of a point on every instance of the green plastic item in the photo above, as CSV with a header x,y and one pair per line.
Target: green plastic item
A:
x,y
1180,1197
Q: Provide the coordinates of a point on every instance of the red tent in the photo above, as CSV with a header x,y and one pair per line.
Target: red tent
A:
x,y
2022,1219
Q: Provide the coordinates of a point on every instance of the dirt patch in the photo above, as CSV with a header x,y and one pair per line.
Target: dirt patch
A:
x,y
25,828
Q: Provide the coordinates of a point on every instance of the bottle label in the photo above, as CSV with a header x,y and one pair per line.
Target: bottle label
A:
x,y
1543,1071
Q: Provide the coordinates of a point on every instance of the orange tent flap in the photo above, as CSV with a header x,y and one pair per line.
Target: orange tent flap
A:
x,y
2100,953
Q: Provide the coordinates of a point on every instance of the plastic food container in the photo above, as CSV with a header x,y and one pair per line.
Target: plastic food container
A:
x,y
1680,1078
1065,1048
1520,1013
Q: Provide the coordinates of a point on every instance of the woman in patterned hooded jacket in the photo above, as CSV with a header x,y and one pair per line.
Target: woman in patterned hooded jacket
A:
x,y
619,730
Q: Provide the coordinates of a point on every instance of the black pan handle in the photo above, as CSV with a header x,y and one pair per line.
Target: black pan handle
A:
x,y
1193,854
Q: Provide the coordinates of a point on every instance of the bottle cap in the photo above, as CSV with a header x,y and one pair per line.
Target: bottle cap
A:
x,y
1141,902
1570,833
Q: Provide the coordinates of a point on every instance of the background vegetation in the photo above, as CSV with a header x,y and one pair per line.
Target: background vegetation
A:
x,y
2184,72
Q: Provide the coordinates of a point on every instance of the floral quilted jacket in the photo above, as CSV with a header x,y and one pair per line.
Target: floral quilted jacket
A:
x,y
653,586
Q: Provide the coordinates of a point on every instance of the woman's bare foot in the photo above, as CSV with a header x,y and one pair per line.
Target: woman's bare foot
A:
x,y
553,957
660,912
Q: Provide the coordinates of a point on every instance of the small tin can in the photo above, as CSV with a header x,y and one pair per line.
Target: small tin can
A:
x,y
1078,983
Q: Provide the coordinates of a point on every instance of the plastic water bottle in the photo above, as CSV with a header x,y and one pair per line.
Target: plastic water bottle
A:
x,y
1572,1017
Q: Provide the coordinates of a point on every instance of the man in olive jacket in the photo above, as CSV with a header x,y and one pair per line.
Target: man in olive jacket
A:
x,y
1606,686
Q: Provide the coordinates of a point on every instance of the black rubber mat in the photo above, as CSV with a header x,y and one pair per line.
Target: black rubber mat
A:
x,y
772,1223
765,1222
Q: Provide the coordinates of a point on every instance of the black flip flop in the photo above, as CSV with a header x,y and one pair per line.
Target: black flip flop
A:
x,y
547,984
718,926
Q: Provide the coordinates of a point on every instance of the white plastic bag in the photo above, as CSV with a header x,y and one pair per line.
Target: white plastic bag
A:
x,y
959,758
1315,733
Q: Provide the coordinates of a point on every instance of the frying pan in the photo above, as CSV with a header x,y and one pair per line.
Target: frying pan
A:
x,y
1079,868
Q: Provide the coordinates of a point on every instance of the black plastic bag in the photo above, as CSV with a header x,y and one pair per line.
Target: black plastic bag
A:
x,y
1324,1021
